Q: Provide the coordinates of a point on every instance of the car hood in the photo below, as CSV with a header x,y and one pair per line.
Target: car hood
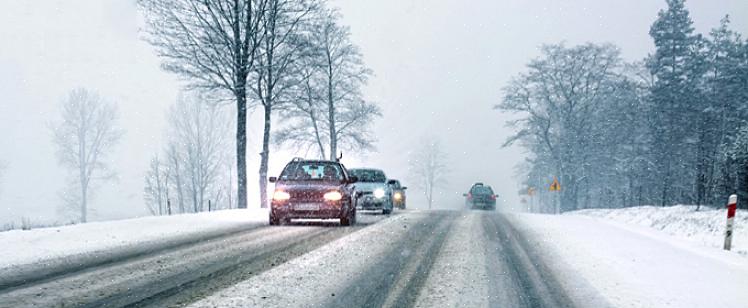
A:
x,y
367,186
308,186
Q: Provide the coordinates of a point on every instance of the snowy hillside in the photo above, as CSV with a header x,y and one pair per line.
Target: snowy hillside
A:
x,y
707,226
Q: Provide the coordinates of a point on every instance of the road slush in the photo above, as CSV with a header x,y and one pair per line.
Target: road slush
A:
x,y
732,205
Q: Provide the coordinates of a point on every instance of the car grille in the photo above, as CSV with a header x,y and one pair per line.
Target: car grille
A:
x,y
307,196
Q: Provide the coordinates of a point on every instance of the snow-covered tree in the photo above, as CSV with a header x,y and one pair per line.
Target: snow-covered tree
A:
x,y
85,137
428,168
214,45
560,101
677,102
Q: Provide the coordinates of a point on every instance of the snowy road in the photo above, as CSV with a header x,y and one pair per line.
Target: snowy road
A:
x,y
411,259
181,274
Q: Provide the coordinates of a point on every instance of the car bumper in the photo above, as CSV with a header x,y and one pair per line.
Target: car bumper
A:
x,y
483,205
371,203
324,211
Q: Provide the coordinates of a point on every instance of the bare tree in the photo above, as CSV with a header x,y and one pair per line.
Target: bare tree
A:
x,y
329,107
428,167
84,138
280,47
195,152
213,44
156,192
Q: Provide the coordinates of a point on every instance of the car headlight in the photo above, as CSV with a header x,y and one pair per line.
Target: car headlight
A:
x,y
280,195
379,193
398,196
333,196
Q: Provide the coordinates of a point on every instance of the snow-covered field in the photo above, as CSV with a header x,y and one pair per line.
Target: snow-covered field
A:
x,y
77,244
706,227
635,266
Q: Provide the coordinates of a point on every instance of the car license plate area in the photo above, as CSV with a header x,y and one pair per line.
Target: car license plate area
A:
x,y
306,207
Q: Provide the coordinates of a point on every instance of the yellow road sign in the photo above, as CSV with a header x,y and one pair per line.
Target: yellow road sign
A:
x,y
555,186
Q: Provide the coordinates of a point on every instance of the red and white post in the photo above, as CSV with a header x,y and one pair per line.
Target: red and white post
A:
x,y
732,205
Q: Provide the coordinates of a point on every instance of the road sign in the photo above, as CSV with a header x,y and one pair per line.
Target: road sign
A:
x,y
555,186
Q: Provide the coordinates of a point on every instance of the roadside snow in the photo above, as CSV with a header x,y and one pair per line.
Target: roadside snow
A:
x,y
26,251
634,266
706,227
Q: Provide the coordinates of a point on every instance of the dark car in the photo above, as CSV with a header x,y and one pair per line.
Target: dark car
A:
x,y
398,193
313,189
372,191
480,197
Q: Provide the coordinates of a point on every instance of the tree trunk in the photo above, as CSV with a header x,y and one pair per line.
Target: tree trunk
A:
x,y
264,157
241,149
331,111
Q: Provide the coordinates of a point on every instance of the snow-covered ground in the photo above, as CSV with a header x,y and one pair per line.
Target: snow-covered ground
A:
x,y
706,227
76,244
635,266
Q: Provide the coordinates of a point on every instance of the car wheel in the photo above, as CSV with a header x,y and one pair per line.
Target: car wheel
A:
x,y
349,219
386,211
274,221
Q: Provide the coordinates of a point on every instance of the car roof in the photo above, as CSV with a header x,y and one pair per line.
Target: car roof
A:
x,y
370,169
297,160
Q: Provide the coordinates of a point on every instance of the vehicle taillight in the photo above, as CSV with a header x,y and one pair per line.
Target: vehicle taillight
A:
x,y
470,196
493,197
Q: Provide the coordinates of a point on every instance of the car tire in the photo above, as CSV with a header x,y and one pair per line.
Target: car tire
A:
x,y
349,219
274,221
386,211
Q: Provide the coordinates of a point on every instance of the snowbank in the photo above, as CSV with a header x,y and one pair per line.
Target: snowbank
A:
x,y
706,227
634,266
32,254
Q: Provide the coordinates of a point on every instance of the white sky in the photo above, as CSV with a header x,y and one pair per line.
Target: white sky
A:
x,y
439,69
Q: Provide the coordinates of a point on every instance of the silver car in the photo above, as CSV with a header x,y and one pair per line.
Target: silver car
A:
x,y
372,191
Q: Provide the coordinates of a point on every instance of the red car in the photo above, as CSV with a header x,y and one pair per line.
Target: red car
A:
x,y
317,189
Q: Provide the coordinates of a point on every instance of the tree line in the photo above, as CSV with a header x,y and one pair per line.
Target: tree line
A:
x,y
669,129
291,59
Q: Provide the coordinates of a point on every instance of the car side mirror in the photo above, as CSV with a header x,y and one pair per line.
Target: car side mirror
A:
x,y
404,187
464,195
352,179
273,179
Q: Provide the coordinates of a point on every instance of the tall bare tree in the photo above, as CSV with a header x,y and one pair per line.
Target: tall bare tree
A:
x,y
84,138
280,47
428,167
156,192
329,107
214,45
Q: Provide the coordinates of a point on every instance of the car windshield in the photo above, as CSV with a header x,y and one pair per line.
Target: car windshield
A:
x,y
482,190
312,171
369,175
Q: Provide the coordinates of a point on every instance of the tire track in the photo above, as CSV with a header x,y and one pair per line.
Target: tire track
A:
x,y
518,277
396,280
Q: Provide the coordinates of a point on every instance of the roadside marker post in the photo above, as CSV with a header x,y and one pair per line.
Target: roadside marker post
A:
x,y
732,205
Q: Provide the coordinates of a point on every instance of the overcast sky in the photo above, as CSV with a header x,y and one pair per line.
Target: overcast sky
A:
x,y
439,68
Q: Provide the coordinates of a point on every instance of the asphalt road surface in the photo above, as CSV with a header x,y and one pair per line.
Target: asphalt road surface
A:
x,y
408,259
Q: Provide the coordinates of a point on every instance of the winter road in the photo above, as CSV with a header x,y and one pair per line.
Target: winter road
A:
x,y
409,259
